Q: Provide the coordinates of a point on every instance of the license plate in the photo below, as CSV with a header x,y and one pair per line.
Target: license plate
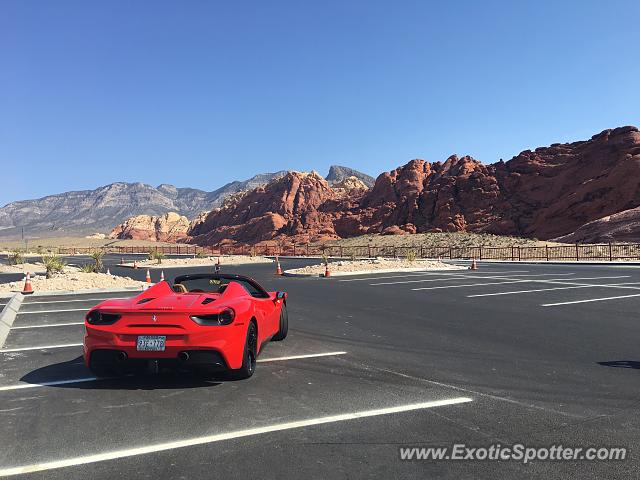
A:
x,y
154,343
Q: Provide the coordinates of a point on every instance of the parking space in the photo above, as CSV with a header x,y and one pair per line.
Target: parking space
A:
x,y
371,363
495,281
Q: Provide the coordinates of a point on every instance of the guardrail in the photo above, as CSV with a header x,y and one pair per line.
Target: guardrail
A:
x,y
578,252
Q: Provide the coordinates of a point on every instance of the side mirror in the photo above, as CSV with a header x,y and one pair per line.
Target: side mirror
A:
x,y
281,295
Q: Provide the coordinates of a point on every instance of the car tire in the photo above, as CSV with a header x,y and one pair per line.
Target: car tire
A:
x,y
284,325
249,356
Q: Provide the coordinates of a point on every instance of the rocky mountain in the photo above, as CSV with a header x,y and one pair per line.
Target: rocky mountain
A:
x,y
620,227
169,227
545,193
338,173
98,210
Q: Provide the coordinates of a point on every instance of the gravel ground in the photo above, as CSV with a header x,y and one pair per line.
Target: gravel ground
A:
x,y
22,268
206,261
73,280
375,264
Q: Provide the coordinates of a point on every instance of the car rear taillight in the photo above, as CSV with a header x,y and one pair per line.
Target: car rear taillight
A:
x,y
96,317
225,317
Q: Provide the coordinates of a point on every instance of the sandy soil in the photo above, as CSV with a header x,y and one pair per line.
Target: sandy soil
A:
x,y
22,268
206,261
79,242
73,280
374,264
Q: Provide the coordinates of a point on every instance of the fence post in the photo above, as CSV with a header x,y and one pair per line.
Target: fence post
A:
x,y
577,253
610,253
546,251
450,253
294,249
480,252
307,249
518,252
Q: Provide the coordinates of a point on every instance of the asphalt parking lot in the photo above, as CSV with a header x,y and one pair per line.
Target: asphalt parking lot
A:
x,y
532,354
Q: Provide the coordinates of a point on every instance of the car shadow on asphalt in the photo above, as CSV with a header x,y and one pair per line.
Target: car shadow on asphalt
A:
x,y
621,364
67,371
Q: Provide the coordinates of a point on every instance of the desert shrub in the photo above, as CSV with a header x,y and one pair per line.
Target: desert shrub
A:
x,y
53,264
252,252
97,257
16,257
411,255
88,268
325,259
201,254
156,255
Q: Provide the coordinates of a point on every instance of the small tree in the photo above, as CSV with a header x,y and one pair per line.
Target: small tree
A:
x,y
156,255
411,255
88,268
53,264
97,257
16,257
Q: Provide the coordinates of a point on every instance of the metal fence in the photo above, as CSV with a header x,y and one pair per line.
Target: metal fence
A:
x,y
605,252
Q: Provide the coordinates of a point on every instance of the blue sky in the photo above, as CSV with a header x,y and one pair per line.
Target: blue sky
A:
x,y
199,93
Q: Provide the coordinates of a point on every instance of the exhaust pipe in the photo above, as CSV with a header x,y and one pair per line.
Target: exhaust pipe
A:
x,y
121,357
183,356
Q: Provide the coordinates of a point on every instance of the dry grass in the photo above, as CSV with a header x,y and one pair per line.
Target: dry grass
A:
x,y
40,245
456,239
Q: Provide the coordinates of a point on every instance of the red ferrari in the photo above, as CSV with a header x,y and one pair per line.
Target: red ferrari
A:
x,y
204,322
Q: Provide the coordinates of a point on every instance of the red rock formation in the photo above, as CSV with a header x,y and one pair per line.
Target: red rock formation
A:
x,y
286,207
169,227
546,193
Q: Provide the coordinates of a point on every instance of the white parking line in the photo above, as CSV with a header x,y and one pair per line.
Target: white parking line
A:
x,y
23,327
69,301
218,437
549,280
612,285
464,277
44,347
529,291
602,299
470,285
296,357
55,311
422,275
21,386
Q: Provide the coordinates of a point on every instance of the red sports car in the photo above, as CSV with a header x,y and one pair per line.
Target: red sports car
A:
x,y
203,322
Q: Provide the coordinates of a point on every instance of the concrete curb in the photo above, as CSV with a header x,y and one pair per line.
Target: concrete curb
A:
x,y
289,273
8,315
49,293
603,263
204,265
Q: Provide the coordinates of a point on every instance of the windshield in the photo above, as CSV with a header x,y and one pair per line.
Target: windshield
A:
x,y
204,284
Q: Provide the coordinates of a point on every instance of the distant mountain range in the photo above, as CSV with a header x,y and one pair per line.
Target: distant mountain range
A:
x,y
99,210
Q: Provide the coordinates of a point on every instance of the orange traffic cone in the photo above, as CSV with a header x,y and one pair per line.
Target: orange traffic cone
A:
x,y
28,289
474,265
327,273
148,279
162,275
278,267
